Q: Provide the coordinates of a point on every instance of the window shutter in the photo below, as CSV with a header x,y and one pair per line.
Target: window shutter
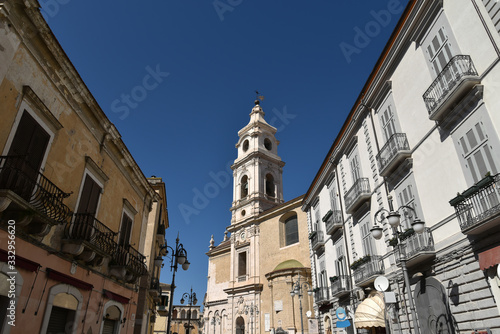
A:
x,y
108,326
89,199
58,320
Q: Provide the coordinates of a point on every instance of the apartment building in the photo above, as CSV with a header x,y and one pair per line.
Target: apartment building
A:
x,y
421,141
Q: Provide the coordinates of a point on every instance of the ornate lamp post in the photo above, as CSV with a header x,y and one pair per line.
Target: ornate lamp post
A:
x,y
393,218
252,309
191,297
297,290
179,256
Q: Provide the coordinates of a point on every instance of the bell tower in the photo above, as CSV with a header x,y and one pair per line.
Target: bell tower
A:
x,y
257,171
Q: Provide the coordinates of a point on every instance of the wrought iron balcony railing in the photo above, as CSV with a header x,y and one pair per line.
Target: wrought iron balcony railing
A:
x,y
333,221
321,295
128,257
368,270
417,243
29,184
85,227
392,153
358,193
340,285
477,206
458,69
317,240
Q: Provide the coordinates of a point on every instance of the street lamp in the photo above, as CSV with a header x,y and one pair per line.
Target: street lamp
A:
x,y
393,218
251,309
179,256
297,290
191,297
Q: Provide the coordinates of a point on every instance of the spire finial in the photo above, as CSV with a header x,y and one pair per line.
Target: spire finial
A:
x,y
212,241
258,97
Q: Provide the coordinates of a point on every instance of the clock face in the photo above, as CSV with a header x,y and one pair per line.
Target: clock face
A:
x,y
242,236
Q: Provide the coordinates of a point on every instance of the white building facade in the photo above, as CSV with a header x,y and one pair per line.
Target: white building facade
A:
x,y
424,135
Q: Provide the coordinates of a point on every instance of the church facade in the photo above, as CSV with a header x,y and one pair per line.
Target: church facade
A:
x,y
252,271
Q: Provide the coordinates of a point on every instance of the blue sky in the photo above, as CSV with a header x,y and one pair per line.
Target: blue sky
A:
x,y
178,77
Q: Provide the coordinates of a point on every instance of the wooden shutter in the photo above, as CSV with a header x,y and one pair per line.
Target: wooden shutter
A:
x,y
89,198
108,326
58,320
30,140
125,230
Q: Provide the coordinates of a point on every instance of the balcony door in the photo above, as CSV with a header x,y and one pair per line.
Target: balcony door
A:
x,y
28,148
83,226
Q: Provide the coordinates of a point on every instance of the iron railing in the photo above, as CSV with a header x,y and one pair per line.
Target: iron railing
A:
x,y
418,242
478,203
128,257
85,227
457,68
375,266
340,284
317,239
333,221
17,175
388,152
360,187
321,294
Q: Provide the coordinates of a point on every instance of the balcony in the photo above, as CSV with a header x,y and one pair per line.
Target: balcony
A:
x,y
418,248
155,290
367,270
340,285
35,203
317,240
357,195
333,221
127,263
162,310
88,239
457,78
478,208
321,295
393,153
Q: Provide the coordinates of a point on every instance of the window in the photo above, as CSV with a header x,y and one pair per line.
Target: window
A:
x,y
316,218
493,8
89,197
183,314
340,262
270,185
355,167
406,194
476,152
112,318
388,123
242,266
367,238
125,229
244,186
291,231
439,51
333,196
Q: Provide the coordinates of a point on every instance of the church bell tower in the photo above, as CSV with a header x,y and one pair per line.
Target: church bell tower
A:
x,y
257,171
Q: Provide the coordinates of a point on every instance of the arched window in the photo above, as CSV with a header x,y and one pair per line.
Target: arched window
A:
x,y
195,315
270,185
291,231
112,319
174,314
183,314
244,186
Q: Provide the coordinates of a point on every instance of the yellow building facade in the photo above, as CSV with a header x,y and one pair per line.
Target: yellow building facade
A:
x,y
74,204
253,270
